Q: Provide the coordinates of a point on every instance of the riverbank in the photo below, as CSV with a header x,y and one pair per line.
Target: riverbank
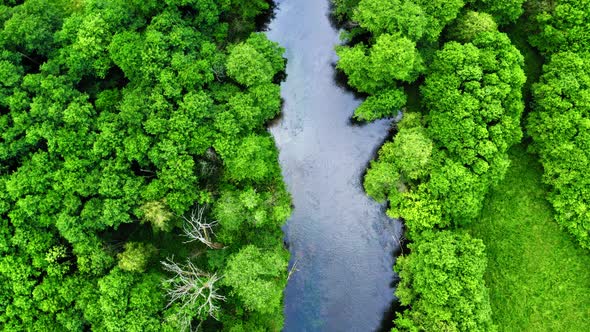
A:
x,y
537,275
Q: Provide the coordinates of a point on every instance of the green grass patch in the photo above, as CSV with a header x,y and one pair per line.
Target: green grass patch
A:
x,y
539,278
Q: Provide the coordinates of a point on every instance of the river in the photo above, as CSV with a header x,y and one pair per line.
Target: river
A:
x,y
341,242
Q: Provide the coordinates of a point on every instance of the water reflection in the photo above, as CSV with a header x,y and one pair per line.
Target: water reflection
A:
x,y
340,240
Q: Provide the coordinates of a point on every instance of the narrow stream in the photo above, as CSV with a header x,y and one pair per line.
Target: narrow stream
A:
x,y
341,242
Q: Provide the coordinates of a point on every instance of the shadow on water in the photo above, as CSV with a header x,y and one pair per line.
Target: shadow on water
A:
x,y
387,321
396,306
341,81
393,129
278,118
263,19
335,22
375,151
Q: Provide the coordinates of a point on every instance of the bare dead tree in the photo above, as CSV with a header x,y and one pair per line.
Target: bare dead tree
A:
x,y
192,287
197,228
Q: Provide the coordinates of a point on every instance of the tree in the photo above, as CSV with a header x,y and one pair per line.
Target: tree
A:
x,y
471,24
473,94
398,16
383,104
254,159
343,9
123,301
412,150
440,14
255,61
560,130
392,58
136,256
31,26
380,179
246,213
459,190
412,19
114,114
442,280
241,61
197,228
194,289
563,25
504,11
257,277
439,168
401,175
158,215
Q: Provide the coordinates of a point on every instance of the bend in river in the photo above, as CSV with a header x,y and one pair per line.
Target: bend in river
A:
x,y
341,242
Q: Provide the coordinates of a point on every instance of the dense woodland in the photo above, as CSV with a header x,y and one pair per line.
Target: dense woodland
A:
x,y
139,189
456,70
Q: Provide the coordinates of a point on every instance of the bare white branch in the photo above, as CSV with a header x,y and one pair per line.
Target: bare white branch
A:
x,y
293,269
192,287
196,228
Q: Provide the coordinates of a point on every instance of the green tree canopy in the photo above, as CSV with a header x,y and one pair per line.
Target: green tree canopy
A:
x,y
442,279
504,11
255,61
473,94
440,166
563,25
470,24
560,128
252,273
392,58
117,119
413,19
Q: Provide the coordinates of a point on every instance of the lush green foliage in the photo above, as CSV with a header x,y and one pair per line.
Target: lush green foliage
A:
x,y
560,127
391,57
253,273
562,25
448,151
558,121
447,161
470,24
117,119
537,275
474,99
413,19
451,149
342,9
443,282
375,70
504,11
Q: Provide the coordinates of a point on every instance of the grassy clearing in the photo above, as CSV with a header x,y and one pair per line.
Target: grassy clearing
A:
x,y
539,279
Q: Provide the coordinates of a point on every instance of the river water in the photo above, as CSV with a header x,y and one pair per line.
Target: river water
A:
x,y
341,242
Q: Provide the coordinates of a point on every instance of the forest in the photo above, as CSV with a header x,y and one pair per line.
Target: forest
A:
x,y
140,189
488,89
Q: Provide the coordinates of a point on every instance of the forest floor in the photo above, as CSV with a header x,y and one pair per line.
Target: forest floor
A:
x,y
539,278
